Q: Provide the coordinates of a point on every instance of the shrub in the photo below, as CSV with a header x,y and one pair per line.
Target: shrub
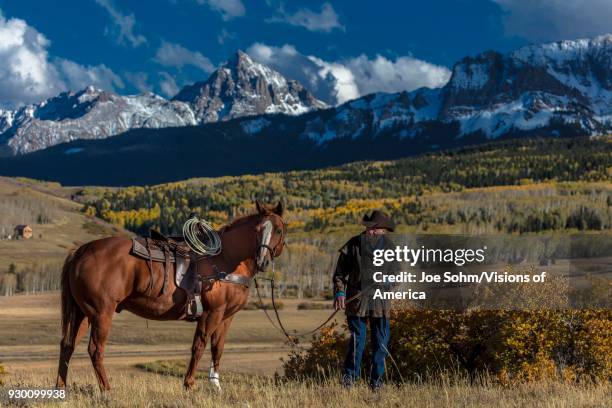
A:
x,y
268,306
328,295
322,358
511,346
315,306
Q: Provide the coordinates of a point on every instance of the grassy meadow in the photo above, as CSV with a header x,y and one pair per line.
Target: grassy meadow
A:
x,y
141,388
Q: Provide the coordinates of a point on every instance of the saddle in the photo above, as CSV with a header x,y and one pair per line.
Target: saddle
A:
x,y
174,250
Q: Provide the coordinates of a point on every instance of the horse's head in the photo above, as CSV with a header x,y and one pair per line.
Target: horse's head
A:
x,y
271,231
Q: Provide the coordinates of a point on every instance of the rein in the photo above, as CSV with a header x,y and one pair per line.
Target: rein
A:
x,y
280,327
293,339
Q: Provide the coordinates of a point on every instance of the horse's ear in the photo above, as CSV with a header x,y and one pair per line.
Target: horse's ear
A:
x,y
279,209
260,208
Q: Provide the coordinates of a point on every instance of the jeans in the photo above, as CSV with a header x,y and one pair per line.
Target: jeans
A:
x,y
379,338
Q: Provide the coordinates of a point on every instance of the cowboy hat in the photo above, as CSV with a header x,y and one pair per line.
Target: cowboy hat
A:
x,y
378,219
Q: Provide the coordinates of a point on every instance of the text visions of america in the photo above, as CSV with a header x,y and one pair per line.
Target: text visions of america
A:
x,y
458,257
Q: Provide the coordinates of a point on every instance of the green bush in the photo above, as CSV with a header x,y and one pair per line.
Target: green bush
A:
x,y
328,295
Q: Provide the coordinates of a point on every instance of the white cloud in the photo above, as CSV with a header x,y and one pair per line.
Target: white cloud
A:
x,y
345,87
140,80
324,21
175,55
293,64
225,36
405,73
28,74
124,25
168,85
79,76
228,8
338,81
25,73
547,20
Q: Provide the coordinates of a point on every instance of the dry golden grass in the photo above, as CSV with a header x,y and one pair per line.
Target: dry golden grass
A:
x,y
144,389
252,356
30,335
34,320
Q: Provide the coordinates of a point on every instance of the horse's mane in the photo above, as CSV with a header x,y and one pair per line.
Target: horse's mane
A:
x,y
238,221
262,211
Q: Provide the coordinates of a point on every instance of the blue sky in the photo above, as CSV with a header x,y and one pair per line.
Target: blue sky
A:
x,y
341,49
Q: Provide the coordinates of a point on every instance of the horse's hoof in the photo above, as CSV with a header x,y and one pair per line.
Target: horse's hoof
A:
x,y
105,390
215,383
213,377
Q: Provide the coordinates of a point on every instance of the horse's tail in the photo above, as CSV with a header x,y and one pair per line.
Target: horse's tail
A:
x,y
69,305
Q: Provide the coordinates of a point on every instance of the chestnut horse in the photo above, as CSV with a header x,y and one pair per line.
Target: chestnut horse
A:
x,y
102,277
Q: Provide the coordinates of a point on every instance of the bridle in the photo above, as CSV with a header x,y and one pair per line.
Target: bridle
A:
x,y
274,251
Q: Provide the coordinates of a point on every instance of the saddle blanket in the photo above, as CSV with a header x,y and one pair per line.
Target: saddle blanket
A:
x,y
154,252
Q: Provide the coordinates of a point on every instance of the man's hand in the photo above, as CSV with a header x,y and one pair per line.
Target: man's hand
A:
x,y
339,302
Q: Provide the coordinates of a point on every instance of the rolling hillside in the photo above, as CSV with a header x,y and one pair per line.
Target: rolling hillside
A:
x,y
524,186
57,224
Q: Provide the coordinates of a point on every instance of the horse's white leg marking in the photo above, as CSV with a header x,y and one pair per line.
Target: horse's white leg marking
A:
x,y
213,376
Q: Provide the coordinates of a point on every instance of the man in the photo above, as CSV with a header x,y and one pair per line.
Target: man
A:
x,y
361,308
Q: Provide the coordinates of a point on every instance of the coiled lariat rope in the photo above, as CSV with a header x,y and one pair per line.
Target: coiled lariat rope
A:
x,y
201,237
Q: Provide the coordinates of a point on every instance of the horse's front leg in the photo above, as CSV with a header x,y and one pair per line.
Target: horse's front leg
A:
x,y
217,342
207,324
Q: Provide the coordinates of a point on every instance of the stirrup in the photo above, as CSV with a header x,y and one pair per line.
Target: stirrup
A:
x,y
194,308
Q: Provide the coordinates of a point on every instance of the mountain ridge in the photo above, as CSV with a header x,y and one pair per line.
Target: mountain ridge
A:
x,y
240,87
535,89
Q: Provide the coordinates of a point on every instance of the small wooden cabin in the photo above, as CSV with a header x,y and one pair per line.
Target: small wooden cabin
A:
x,y
22,231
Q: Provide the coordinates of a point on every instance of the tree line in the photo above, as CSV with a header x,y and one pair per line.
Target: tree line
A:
x,y
30,279
402,185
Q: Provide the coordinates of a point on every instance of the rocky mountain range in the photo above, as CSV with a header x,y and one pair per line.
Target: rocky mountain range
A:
x,y
240,87
87,114
562,87
246,110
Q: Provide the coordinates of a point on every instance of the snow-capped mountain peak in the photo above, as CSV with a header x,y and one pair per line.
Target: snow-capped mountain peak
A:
x,y
87,114
243,87
564,51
